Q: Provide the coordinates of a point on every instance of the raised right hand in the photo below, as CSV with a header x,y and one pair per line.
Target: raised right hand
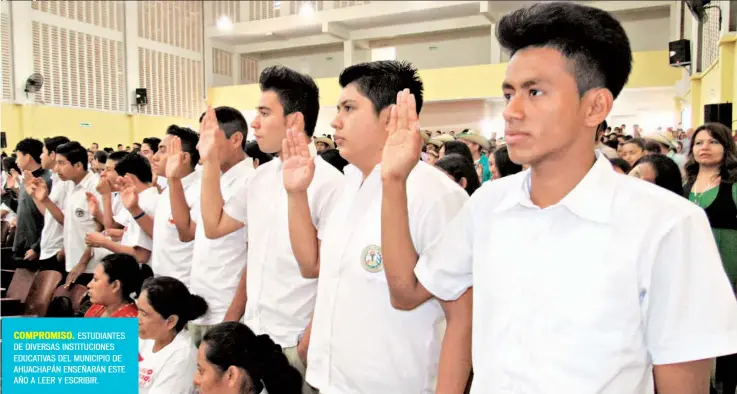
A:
x,y
210,136
299,166
104,187
177,164
92,204
40,189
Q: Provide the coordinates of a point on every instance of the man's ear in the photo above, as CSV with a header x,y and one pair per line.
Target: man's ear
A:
x,y
296,120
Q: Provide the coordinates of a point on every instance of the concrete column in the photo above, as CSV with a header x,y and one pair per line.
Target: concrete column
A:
x,y
496,49
22,31
130,39
674,20
348,51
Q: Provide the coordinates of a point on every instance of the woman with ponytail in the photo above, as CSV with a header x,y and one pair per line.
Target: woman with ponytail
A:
x,y
233,360
115,283
166,357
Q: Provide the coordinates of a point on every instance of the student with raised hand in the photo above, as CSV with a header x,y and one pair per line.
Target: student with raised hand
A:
x,y
167,360
359,342
219,260
559,304
110,211
273,296
233,360
174,225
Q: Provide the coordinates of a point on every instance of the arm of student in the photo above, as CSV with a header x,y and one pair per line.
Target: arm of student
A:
x,y
304,343
303,235
146,222
56,212
142,255
691,309
455,355
80,267
238,305
180,211
216,222
108,221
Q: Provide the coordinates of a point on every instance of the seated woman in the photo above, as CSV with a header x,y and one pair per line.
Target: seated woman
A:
x,y
233,360
461,171
501,165
167,360
115,284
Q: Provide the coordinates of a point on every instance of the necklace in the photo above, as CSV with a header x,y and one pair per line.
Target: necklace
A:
x,y
698,195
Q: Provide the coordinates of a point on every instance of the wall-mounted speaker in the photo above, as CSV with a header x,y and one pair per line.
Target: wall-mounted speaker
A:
x,y
719,113
679,53
141,96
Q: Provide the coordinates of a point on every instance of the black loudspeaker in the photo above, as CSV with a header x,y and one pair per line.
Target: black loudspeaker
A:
x,y
141,96
679,53
3,140
719,113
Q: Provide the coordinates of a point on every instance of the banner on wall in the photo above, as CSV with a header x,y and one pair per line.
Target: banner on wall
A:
x,y
75,356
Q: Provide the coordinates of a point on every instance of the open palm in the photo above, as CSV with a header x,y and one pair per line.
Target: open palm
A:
x,y
40,189
210,135
92,204
299,166
404,144
177,163
128,193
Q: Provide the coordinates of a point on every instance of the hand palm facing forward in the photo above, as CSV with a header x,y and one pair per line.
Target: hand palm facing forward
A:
x,y
299,166
403,144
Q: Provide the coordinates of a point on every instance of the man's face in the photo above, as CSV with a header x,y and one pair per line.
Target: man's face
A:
x,y
48,160
474,147
321,146
158,160
64,168
542,117
147,152
120,148
631,153
270,124
110,174
90,156
24,161
97,167
94,148
359,133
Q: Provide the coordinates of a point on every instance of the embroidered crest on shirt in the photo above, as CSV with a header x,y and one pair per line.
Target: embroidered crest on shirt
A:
x,y
371,259
79,212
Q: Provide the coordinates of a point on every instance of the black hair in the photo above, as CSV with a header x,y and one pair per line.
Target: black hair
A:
x,y
10,164
74,153
137,165
652,146
125,269
52,143
234,344
117,156
119,145
458,147
61,306
622,164
628,137
95,143
612,144
639,142
381,81
254,152
297,92
591,38
108,149
459,167
667,173
333,157
101,156
136,143
31,146
504,164
231,121
189,139
153,143
169,296
728,166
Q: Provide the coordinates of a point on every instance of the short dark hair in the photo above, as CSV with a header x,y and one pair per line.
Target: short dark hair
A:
x,y
637,141
137,165
108,149
231,121
458,147
137,145
504,163
169,296
459,167
254,152
52,143
74,153
10,164
119,145
153,143
94,143
117,156
591,38
622,164
667,173
653,146
31,146
125,268
381,81
297,92
189,139
101,156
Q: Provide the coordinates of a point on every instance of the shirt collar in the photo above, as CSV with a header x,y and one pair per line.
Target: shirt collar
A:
x,y
87,180
590,200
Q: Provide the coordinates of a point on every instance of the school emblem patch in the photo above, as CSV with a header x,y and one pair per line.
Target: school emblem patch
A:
x,y
371,259
79,212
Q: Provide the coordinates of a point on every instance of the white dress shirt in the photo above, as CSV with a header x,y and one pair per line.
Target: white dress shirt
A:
x,y
217,264
280,301
52,234
360,343
78,222
584,296
170,256
170,370
133,234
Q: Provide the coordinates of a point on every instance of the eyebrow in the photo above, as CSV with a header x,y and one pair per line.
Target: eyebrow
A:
x,y
344,102
525,85
262,108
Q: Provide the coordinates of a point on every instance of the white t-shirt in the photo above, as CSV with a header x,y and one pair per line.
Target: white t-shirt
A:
x,y
586,294
279,300
217,264
133,234
359,342
78,222
170,256
52,234
170,370
162,183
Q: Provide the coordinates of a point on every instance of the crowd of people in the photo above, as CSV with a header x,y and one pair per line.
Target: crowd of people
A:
x,y
366,262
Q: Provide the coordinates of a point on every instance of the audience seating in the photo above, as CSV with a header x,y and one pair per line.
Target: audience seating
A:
x,y
41,292
76,293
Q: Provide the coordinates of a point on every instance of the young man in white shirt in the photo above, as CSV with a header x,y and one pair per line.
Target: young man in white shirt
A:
x,y
359,342
218,261
173,223
584,280
273,297
139,197
110,212
71,165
